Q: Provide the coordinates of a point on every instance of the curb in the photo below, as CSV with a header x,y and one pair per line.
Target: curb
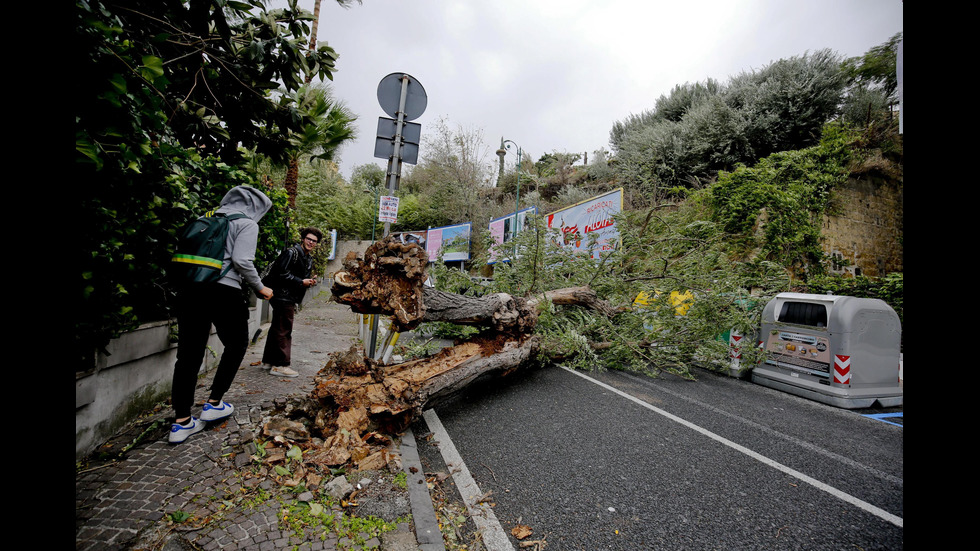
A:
x,y
427,532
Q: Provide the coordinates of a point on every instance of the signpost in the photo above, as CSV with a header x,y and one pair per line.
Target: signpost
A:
x,y
402,98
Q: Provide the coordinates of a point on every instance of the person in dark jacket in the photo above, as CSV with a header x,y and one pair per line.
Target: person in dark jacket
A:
x,y
289,278
222,304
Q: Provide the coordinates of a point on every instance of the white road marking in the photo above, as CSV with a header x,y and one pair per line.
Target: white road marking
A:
x,y
801,443
877,511
494,536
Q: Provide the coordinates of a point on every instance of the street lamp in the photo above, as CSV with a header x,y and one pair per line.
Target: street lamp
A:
x,y
504,146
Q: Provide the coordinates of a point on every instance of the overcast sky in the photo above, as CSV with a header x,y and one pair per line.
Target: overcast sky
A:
x,y
556,74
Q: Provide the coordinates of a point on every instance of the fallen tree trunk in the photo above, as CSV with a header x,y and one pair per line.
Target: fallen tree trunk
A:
x,y
358,404
499,311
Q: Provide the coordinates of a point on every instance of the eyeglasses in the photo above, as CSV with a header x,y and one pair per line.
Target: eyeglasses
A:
x,y
314,241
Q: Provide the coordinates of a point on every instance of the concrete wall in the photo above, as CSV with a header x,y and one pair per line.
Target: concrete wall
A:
x,y
137,373
135,376
344,247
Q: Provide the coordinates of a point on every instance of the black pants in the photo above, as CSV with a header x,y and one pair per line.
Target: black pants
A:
x,y
198,307
279,343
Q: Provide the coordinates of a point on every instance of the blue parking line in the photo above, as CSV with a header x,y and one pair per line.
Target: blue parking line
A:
x,y
882,416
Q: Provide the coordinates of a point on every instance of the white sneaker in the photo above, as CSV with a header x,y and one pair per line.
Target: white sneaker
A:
x,y
179,433
265,366
214,413
283,371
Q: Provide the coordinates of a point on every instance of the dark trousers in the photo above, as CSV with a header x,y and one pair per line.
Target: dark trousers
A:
x,y
279,343
199,307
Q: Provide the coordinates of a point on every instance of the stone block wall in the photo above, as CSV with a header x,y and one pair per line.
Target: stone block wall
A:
x,y
866,235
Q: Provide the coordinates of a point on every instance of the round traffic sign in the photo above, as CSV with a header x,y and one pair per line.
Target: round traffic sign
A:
x,y
390,91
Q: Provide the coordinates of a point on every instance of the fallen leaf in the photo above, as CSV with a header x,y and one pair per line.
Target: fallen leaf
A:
x,y
274,456
313,480
521,531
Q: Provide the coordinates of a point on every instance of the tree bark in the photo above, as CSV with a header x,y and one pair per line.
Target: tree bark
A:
x,y
358,404
499,311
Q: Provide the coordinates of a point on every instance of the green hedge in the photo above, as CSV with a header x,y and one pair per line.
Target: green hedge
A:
x,y
890,289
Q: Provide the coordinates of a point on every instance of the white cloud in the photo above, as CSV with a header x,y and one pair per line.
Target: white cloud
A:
x,y
556,74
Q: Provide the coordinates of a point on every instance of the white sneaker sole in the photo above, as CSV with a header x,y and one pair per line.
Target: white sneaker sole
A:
x,y
215,414
179,433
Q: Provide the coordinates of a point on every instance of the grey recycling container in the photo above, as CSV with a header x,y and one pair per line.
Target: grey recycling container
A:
x,y
838,350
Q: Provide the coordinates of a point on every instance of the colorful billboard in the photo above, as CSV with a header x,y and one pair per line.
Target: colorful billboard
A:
x,y
591,217
452,243
502,231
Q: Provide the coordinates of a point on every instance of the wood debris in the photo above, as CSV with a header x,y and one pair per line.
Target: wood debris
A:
x,y
358,403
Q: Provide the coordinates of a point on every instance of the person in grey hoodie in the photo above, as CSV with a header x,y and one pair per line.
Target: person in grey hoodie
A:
x,y
223,304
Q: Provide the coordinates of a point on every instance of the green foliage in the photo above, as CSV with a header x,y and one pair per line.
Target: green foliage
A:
x,y
318,184
319,518
324,200
178,517
401,480
599,169
451,179
662,252
202,70
872,84
890,289
702,128
331,124
369,177
876,69
328,203
171,91
790,192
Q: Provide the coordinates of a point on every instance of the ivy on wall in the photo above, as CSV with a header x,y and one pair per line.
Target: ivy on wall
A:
x,y
774,209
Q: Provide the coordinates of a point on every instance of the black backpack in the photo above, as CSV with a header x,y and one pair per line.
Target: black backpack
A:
x,y
201,249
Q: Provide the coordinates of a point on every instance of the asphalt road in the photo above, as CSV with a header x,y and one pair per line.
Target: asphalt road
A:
x,y
715,464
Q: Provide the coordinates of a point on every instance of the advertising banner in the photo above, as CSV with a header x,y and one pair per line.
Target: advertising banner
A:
x,y
502,231
388,209
452,243
333,245
592,217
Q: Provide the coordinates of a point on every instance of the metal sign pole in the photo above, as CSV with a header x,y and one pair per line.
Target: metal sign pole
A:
x,y
394,174
410,104
395,164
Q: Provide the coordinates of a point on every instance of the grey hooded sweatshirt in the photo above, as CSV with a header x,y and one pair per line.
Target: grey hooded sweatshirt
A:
x,y
243,234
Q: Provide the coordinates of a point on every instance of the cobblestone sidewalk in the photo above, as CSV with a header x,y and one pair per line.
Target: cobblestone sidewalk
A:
x,y
194,495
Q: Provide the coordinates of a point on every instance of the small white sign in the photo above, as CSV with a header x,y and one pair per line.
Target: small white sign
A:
x,y
388,209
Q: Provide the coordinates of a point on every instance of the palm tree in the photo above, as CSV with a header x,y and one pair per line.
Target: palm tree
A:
x,y
316,25
332,126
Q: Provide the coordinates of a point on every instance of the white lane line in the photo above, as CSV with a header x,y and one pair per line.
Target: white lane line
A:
x,y
878,512
494,536
803,444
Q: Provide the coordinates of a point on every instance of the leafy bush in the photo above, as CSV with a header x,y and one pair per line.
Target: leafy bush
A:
x,y
890,289
158,124
786,194
662,252
699,129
